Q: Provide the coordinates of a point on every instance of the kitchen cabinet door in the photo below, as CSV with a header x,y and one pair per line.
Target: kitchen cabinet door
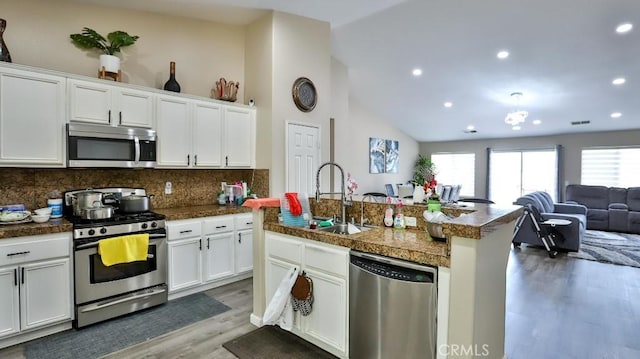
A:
x,y
90,102
328,319
185,263
244,251
174,132
219,259
93,102
45,293
135,107
32,119
9,301
239,137
207,132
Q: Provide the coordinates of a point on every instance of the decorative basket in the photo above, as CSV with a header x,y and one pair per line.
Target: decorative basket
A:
x,y
226,91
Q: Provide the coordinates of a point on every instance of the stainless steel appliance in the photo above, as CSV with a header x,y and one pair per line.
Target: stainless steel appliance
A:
x,y
103,292
107,146
392,308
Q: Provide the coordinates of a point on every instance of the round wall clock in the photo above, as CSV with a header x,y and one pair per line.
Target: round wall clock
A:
x,y
304,94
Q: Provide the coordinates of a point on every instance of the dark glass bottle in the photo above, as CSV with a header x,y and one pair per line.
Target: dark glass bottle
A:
x,y
4,51
172,84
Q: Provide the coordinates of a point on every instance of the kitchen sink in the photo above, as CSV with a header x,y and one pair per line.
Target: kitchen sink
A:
x,y
342,228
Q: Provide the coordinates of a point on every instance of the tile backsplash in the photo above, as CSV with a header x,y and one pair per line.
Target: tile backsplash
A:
x,y
190,187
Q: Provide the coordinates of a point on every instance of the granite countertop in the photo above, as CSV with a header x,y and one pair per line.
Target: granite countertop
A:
x,y
412,245
473,220
173,214
57,225
63,225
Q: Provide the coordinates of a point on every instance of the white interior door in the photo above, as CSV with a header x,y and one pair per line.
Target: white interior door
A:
x,y
303,156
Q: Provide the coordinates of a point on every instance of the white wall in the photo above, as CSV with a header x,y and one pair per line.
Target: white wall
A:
x,y
572,145
38,32
352,135
301,48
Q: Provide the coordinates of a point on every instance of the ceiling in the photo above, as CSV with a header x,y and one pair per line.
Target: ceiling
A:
x,y
563,56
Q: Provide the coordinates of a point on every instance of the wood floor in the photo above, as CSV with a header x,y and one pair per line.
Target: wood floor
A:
x,y
556,308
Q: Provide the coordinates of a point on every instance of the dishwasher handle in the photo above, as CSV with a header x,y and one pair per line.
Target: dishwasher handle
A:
x,y
392,271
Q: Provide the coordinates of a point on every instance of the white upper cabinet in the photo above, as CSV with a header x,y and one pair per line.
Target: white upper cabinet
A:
x,y
173,126
32,118
99,103
239,137
202,134
207,128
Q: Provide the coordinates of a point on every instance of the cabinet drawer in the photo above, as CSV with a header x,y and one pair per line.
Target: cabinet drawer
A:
x,y
279,246
327,259
244,221
218,224
183,229
34,248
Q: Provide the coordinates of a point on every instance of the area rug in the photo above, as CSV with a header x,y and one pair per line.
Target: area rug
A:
x,y
270,342
610,247
119,333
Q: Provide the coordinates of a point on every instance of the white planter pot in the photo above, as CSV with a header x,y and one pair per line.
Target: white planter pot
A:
x,y
111,63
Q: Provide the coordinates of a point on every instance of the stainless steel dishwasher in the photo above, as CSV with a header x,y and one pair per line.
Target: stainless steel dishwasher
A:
x,y
392,308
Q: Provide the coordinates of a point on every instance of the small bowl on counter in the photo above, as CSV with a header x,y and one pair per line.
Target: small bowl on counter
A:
x,y
40,218
43,211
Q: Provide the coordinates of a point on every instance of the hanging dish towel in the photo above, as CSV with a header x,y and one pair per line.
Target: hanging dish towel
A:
x,y
302,294
123,249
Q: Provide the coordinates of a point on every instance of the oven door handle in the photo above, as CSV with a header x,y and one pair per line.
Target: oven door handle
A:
x,y
95,244
109,303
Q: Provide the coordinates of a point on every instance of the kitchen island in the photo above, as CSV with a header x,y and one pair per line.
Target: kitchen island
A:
x,y
471,268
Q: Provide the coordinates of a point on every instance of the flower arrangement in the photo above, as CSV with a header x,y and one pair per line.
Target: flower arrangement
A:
x,y
430,189
352,185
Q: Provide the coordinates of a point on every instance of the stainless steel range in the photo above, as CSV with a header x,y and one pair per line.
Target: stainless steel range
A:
x,y
104,292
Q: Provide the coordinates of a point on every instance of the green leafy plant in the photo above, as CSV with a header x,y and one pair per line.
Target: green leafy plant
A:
x,y
90,39
423,170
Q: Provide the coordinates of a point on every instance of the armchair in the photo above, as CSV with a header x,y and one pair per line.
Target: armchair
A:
x,y
575,213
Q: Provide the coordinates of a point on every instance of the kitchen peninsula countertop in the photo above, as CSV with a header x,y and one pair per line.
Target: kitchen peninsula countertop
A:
x,y
474,221
174,214
57,225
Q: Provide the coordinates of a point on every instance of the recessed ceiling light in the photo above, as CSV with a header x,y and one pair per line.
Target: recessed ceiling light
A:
x,y
516,128
471,128
503,54
448,104
616,115
536,122
619,81
416,72
624,28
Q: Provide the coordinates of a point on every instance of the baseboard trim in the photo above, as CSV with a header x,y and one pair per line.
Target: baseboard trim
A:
x,y
255,320
216,284
35,334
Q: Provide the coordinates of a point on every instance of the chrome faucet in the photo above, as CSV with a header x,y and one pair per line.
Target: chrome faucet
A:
x,y
343,196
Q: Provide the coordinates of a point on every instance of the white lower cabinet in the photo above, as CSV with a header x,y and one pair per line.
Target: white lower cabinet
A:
x,y
328,267
210,251
35,282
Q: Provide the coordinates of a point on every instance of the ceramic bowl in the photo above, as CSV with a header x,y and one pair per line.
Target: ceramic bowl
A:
x,y
42,211
40,218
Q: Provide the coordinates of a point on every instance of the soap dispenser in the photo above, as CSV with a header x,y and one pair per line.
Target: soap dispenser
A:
x,y
398,221
388,214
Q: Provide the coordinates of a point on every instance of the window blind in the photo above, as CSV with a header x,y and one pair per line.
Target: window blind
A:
x,y
456,168
612,167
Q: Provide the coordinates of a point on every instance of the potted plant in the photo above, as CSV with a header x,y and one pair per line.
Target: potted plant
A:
x,y
90,39
423,170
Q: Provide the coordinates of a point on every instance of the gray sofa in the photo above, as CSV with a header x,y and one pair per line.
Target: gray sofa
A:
x,y
572,234
608,208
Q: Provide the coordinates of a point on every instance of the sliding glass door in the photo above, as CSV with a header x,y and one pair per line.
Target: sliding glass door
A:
x,y
515,173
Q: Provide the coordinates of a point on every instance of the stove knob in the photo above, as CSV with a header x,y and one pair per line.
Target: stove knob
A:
x,y
92,232
154,224
144,226
103,230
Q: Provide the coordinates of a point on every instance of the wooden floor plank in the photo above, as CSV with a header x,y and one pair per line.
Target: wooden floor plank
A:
x,y
556,308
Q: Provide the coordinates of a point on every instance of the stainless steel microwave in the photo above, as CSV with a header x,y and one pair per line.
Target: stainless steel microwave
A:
x,y
107,146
